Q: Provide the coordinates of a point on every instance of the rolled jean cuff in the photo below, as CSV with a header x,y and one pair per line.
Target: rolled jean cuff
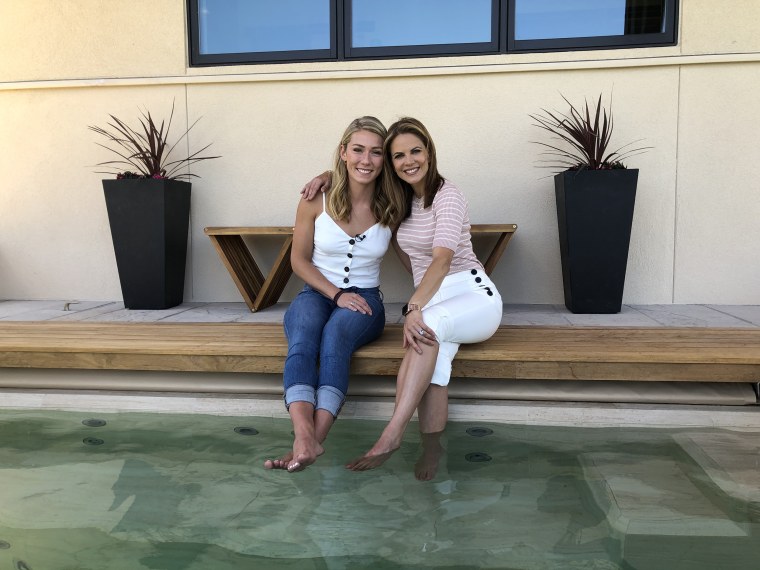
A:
x,y
300,393
330,399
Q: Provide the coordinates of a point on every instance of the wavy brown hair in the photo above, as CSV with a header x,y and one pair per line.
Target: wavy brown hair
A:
x,y
433,178
388,204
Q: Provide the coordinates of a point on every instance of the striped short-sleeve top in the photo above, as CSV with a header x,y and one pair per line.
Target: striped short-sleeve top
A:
x,y
446,223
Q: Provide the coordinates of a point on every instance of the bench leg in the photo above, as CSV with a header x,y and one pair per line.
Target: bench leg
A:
x,y
276,280
242,268
498,249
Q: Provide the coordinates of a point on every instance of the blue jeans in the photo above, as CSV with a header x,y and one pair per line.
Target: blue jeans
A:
x,y
321,339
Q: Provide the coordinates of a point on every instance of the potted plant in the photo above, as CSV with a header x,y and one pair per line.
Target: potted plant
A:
x,y
148,207
595,195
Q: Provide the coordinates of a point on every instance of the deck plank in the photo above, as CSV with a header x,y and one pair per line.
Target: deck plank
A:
x,y
514,352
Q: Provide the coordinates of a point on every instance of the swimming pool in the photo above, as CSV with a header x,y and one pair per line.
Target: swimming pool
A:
x,y
173,491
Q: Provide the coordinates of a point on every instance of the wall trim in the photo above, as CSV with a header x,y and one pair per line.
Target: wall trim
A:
x,y
380,73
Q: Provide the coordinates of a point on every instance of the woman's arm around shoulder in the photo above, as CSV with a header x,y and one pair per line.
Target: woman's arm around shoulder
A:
x,y
320,183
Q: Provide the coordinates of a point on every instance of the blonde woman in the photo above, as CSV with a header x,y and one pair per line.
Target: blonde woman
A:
x,y
338,244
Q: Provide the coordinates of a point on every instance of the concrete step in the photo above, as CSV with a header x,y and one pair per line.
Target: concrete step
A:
x,y
661,518
730,460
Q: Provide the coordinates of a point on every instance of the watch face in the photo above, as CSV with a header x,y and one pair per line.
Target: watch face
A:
x,y
404,310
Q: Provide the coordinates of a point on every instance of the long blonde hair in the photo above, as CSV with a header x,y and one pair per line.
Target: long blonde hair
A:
x,y
388,204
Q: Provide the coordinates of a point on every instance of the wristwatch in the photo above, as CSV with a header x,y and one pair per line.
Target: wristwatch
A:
x,y
408,308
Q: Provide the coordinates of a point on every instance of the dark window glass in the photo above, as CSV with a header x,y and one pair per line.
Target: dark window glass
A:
x,y
419,22
646,16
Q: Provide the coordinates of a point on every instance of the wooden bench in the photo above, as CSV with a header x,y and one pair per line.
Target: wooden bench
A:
x,y
513,353
261,291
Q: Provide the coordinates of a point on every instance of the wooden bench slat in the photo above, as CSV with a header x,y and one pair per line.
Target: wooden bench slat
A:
x,y
288,230
509,343
717,355
477,229
249,231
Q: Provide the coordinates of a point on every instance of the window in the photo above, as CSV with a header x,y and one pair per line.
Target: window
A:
x,y
421,27
543,25
258,31
242,31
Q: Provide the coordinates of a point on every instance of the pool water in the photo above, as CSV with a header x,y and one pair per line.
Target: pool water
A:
x,y
164,491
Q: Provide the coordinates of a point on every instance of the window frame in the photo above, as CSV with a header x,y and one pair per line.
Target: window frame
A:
x,y
502,41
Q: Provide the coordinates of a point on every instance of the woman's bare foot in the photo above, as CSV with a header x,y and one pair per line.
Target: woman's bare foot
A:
x,y
427,465
376,456
281,463
305,452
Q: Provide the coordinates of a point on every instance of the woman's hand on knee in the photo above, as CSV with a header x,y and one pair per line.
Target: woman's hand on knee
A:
x,y
416,332
354,302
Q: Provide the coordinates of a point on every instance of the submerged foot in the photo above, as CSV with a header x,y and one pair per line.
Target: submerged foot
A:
x,y
369,461
281,463
375,457
427,465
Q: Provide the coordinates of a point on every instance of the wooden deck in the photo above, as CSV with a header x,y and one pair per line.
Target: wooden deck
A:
x,y
513,353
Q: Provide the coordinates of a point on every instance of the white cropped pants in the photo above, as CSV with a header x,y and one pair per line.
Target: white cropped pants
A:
x,y
466,308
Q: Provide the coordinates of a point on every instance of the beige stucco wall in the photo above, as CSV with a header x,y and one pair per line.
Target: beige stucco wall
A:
x,y
49,39
275,126
718,205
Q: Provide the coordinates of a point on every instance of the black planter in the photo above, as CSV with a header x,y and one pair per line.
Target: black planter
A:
x,y
595,214
149,222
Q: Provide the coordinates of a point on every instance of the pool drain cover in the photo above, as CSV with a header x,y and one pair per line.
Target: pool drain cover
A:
x,y
4,545
246,430
93,422
92,441
479,431
477,457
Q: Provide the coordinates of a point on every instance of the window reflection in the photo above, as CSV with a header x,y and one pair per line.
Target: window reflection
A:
x,y
554,19
420,22
243,26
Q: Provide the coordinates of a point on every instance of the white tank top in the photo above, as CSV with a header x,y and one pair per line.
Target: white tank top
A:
x,y
348,261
